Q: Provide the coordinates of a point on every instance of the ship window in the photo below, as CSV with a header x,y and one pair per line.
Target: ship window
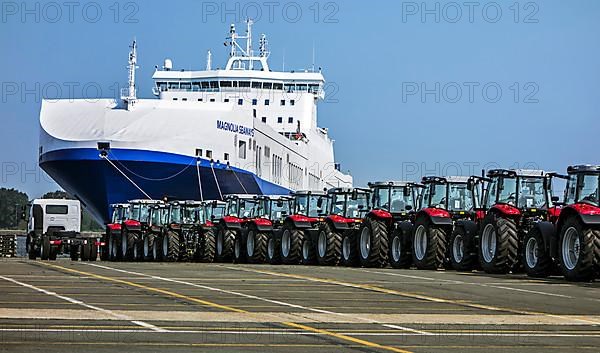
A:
x,y
198,152
173,85
204,84
244,83
208,154
254,101
254,113
225,83
214,84
186,86
313,88
301,87
235,83
184,99
226,100
279,120
174,99
212,99
292,102
199,99
282,102
290,120
266,102
278,86
240,101
162,86
226,156
242,149
267,85
267,151
264,119
288,87
256,85
195,86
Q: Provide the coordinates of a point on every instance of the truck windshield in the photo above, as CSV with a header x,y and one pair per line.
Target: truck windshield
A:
x,y
57,209
531,193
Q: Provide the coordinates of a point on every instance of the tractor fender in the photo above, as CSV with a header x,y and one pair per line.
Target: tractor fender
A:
x,y
471,232
299,221
549,236
436,216
338,223
587,214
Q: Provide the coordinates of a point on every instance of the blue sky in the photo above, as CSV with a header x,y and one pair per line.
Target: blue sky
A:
x,y
378,56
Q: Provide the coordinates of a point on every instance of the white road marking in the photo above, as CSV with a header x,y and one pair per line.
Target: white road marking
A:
x,y
278,302
469,283
79,302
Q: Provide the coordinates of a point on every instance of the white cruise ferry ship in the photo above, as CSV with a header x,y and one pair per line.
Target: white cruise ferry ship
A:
x,y
241,129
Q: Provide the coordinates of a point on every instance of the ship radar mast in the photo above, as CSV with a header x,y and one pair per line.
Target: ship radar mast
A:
x,y
241,58
128,95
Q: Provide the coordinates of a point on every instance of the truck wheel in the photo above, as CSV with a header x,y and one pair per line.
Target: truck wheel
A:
x,y
498,244
224,244
329,246
536,259
399,249
461,255
256,247
74,252
291,245
429,246
30,246
93,250
373,243
273,250
576,250
308,252
105,250
45,248
148,247
349,250
208,246
85,252
239,250
170,246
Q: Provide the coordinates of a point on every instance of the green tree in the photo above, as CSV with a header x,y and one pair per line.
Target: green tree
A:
x,y
12,203
87,221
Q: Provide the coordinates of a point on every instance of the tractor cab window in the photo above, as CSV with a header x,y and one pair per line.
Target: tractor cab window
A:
x,y
258,208
438,196
302,205
425,196
357,206
216,212
507,191
175,214
164,215
588,189
279,209
311,206
191,215
338,203
144,213
532,193
571,190
155,219
135,212
490,197
460,198
399,199
242,208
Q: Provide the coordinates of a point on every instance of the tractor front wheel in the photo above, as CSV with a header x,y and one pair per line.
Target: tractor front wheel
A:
x,y
498,244
577,248
329,246
373,243
429,246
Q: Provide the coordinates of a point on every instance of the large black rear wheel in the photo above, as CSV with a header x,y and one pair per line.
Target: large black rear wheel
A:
x,y
224,244
329,246
291,245
373,243
498,244
171,246
256,246
577,244
429,245
208,247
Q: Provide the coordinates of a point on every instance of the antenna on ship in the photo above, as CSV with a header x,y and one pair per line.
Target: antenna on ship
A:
x,y
208,61
240,56
128,95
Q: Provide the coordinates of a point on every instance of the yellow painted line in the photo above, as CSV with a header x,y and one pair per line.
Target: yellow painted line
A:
x,y
151,289
224,307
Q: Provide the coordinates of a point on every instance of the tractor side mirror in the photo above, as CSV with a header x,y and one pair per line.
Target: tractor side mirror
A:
x,y
319,202
554,199
406,192
279,203
214,204
354,194
408,207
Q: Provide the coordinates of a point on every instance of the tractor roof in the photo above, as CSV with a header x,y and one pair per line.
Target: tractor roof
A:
x,y
240,196
585,168
458,179
308,192
146,201
512,173
186,203
391,183
218,202
119,205
347,191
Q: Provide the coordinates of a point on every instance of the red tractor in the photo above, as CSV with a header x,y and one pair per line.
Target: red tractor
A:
x,y
155,231
292,244
336,238
266,218
123,242
516,201
386,230
238,208
570,239
210,212
447,215
120,213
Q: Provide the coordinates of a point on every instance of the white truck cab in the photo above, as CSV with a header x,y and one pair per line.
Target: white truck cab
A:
x,y
54,214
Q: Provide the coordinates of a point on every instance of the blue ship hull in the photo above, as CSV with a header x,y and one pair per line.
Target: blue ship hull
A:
x,y
97,184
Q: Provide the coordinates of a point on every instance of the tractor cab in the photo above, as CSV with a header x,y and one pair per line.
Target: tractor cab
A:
x,y
312,204
519,192
214,210
186,213
582,187
453,197
278,208
396,198
120,212
348,203
239,206
139,211
158,217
